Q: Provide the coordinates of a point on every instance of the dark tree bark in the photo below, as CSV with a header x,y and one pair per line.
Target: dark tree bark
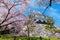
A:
x,y
14,37
28,33
40,38
50,3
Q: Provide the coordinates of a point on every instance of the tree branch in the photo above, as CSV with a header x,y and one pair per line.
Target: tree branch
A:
x,y
50,3
12,17
47,7
8,14
12,22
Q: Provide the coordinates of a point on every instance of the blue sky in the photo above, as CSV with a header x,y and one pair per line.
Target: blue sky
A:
x,y
53,11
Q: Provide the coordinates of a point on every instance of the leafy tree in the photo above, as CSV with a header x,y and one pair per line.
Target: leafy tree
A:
x,y
50,25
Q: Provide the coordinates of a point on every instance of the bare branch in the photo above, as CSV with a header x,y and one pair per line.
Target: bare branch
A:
x,y
50,2
47,7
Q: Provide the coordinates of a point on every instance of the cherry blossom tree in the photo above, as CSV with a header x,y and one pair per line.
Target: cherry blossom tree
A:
x,y
12,14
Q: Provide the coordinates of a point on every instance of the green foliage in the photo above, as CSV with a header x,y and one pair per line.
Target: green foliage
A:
x,y
50,25
54,38
31,16
51,29
48,28
31,38
57,31
49,20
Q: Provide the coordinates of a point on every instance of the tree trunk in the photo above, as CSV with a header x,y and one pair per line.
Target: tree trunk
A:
x,y
28,37
40,38
49,38
14,37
